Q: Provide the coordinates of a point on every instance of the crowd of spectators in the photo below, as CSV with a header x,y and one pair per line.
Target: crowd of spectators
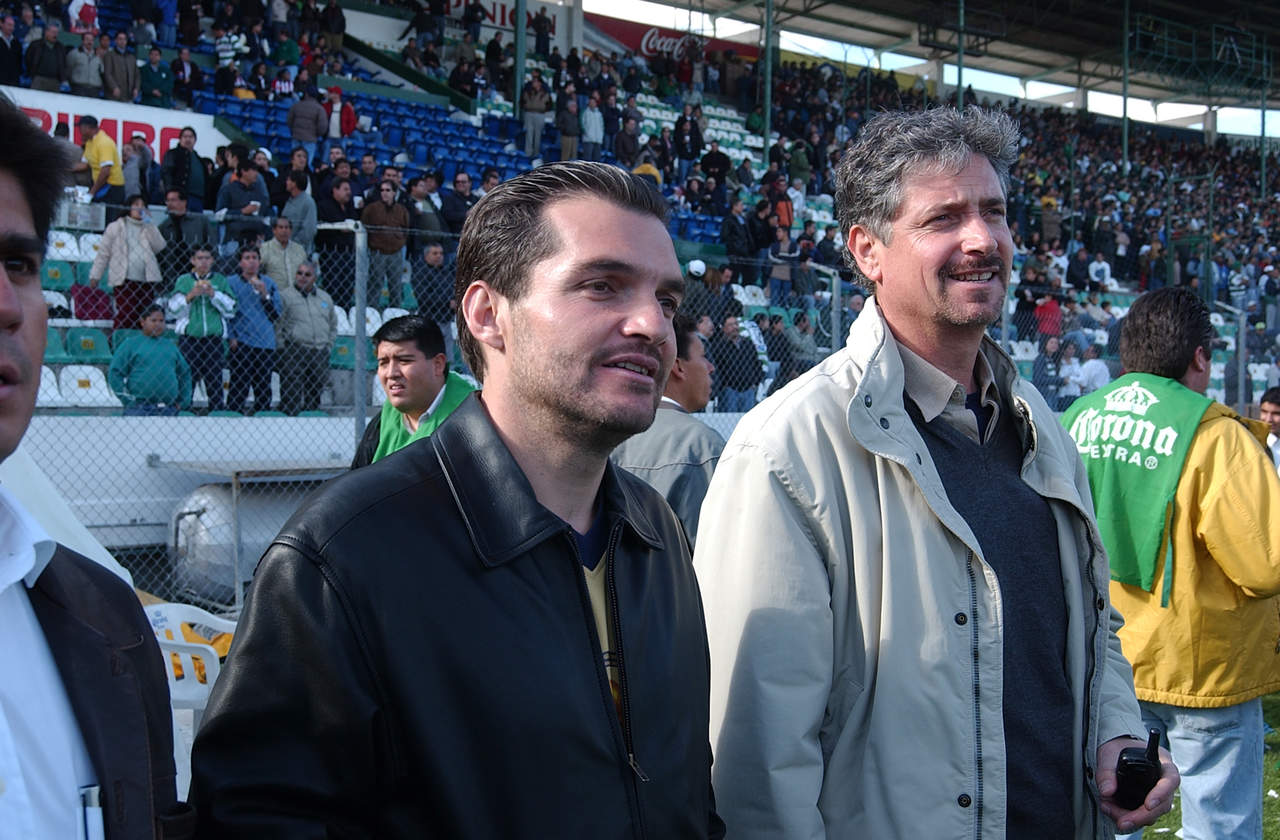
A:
x,y
1081,222
269,52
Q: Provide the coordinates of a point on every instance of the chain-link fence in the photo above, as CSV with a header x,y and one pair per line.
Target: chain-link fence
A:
x,y
192,395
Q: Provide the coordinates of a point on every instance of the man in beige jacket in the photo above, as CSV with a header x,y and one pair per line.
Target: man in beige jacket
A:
x,y
905,592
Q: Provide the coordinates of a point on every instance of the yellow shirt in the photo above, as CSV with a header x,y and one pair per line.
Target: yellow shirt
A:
x,y
100,151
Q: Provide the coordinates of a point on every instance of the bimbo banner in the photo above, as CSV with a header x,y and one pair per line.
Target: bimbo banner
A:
x,y
649,41
159,126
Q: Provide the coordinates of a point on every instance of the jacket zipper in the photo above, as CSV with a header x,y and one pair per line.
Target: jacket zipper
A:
x,y
1089,674
977,704
624,720
611,588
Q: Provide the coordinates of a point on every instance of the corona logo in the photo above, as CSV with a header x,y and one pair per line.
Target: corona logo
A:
x,y
1132,398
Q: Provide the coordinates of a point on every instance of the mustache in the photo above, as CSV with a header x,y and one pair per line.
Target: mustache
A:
x,y
992,263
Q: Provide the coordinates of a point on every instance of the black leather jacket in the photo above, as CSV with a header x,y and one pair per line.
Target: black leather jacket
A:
x,y
418,658
112,669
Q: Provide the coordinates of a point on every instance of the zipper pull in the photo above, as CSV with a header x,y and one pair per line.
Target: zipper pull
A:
x,y
631,759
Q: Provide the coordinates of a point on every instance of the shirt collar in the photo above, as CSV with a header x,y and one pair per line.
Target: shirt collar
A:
x,y
25,547
431,409
931,389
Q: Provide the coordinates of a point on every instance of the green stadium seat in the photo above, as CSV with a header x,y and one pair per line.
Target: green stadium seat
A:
x,y
224,412
57,275
343,356
88,345
783,311
121,335
271,413
55,351
313,412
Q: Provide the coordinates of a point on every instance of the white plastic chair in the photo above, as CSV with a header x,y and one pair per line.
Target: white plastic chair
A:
x,y
187,691
344,321
49,395
86,387
372,320
392,312
89,244
62,246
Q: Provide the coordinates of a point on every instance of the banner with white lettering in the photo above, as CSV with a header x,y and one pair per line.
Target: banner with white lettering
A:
x,y
649,41
160,127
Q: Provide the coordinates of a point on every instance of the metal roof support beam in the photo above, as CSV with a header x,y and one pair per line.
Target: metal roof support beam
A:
x,y
1044,74
734,9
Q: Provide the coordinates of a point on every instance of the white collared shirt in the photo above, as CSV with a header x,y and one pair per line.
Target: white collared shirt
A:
x,y
43,760
1273,443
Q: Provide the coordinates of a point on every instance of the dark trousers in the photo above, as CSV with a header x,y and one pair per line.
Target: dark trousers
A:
x,y
338,275
250,369
204,357
132,299
303,374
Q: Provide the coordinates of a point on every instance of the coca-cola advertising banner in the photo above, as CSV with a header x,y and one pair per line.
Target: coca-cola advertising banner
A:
x,y
649,41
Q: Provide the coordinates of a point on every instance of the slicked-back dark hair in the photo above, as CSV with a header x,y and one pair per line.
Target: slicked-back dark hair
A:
x,y
1162,331
505,233
422,331
36,161
686,330
1271,395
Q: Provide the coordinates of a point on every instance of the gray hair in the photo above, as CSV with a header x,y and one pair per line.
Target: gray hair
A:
x,y
896,144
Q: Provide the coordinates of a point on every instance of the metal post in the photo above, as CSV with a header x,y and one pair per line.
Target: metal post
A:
x,y
517,73
767,77
960,60
1262,148
1242,361
359,376
837,310
236,548
1124,97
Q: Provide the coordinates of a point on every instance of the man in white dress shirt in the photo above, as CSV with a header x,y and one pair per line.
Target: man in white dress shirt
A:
x,y
86,739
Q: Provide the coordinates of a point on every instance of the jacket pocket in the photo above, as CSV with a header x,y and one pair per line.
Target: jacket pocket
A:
x,y
845,694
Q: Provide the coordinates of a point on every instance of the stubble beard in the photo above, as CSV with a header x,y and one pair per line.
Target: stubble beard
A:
x,y
572,408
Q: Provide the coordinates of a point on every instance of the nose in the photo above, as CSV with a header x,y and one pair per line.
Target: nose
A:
x,y
10,302
647,318
979,238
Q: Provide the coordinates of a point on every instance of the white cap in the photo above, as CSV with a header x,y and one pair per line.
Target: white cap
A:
x,y
697,268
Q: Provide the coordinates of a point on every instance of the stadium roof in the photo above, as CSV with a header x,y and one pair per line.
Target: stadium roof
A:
x,y
1214,54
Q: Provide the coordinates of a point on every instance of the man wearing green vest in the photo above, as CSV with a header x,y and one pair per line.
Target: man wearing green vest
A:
x,y
421,390
1188,507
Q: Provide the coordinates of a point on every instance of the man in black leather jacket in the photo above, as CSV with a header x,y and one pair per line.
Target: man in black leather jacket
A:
x,y
491,633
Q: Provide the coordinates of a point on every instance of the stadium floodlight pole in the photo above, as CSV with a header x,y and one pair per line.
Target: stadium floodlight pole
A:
x,y
1124,96
767,78
359,376
517,74
960,59
1262,142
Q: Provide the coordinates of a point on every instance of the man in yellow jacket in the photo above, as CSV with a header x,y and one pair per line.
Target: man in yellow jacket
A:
x,y
1189,510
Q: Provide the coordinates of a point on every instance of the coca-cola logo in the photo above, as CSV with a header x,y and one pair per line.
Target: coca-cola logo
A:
x,y
655,43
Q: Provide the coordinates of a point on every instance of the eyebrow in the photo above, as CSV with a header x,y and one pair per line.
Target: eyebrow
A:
x,y
674,283
20,243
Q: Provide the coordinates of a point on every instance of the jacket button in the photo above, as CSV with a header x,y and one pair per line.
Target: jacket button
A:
x,y
867,401
1088,772
1102,605
962,619
964,800
884,422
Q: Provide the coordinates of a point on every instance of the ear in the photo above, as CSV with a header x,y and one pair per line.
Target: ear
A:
x,y
678,372
865,248
481,310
